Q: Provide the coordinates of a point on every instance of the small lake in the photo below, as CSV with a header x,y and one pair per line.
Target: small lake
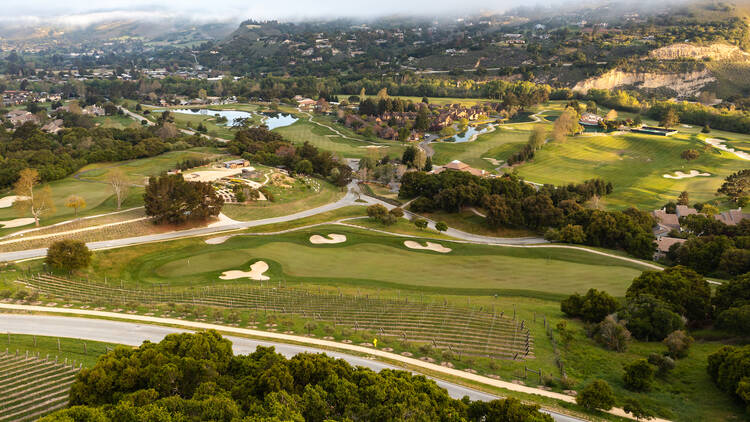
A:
x,y
469,133
272,120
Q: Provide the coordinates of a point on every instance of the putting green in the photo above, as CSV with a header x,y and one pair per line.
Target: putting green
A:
x,y
635,164
373,259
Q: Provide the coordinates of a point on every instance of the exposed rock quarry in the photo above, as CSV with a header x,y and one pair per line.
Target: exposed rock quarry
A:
x,y
699,52
685,84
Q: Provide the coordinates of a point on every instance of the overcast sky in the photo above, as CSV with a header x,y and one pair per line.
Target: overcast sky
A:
x,y
86,11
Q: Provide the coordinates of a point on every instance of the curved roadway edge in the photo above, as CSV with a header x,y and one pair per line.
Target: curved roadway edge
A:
x,y
79,330
348,200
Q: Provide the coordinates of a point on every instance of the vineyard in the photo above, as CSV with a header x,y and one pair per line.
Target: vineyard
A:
x,y
32,386
464,331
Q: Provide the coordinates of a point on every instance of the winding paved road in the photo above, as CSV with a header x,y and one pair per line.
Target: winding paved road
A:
x,y
133,334
349,199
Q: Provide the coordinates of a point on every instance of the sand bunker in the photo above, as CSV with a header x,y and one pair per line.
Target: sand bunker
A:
x,y
332,238
436,247
255,273
18,222
494,161
681,175
217,240
7,201
719,143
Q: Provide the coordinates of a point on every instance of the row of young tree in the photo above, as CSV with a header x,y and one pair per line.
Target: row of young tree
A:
x,y
196,377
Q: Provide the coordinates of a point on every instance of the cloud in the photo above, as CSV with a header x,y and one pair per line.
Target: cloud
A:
x,y
85,12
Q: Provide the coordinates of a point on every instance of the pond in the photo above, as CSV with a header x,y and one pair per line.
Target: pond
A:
x,y
272,120
470,131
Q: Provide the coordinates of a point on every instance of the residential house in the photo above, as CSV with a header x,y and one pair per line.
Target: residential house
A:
x,y
665,222
306,104
53,127
456,165
93,110
664,243
590,119
732,217
19,117
234,164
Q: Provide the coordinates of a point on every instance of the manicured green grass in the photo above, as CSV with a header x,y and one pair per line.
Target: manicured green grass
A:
x,y
374,260
97,194
635,164
470,222
286,201
117,122
303,131
138,171
402,226
498,144
70,348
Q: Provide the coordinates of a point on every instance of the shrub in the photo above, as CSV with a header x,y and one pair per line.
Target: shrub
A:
x,y
592,307
639,375
635,408
664,364
597,395
612,334
572,234
683,289
649,318
422,204
678,343
728,368
736,320
68,255
420,223
440,226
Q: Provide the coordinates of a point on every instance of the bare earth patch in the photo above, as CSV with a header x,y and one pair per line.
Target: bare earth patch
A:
x,y
332,238
681,175
255,273
214,174
436,247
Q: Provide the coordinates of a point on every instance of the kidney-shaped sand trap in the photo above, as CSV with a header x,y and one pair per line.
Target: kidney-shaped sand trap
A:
x,y
436,247
7,201
18,222
681,175
255,273
332,238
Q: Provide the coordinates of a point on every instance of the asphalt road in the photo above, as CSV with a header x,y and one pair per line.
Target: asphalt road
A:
x,y
349,199
134,334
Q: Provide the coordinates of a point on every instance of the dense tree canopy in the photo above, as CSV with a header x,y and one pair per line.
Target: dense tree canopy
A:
x,y
684,290
172,199
195,377
592,307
